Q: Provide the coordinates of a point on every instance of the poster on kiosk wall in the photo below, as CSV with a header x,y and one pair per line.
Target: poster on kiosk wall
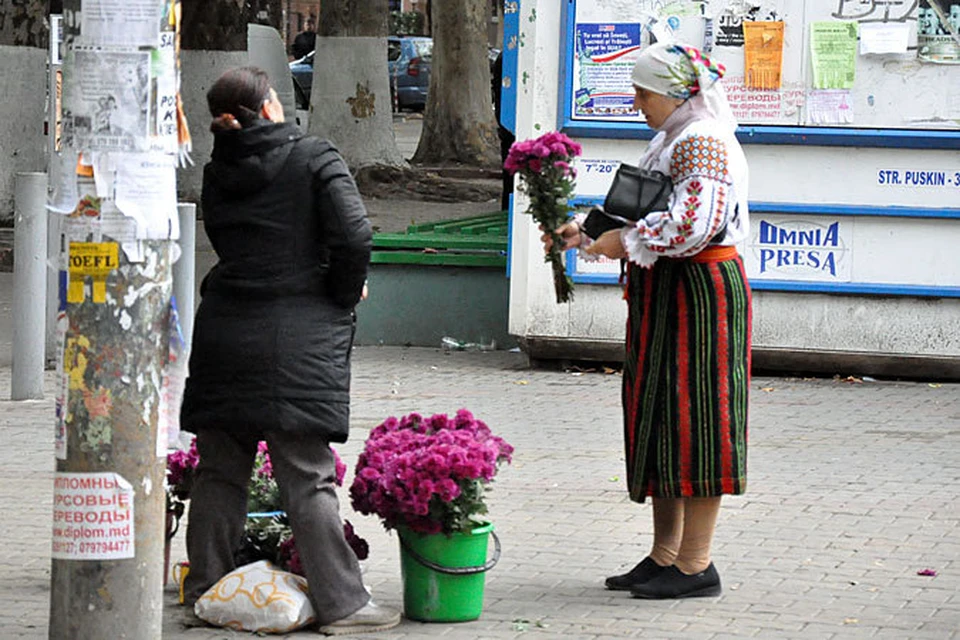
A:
x,y
603,58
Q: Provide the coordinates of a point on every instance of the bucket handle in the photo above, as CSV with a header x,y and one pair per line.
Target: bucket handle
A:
x,y
457,571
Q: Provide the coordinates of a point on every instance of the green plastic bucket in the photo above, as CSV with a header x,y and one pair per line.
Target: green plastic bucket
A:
x,y
443,576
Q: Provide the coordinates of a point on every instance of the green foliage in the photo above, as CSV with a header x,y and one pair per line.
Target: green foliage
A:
x,y
406,23
264,495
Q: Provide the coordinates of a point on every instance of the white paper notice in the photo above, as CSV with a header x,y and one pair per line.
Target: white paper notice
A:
x,y
103,169
64,192
165,129
123,22
146,190
92,517
884,37
106,98
829,106
117,226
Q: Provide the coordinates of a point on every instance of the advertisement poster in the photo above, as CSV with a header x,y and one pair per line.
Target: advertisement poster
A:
x,y
604,56
761,105
120,22
763,54
938,31
729,30
92,517
829,107
106,101
833,51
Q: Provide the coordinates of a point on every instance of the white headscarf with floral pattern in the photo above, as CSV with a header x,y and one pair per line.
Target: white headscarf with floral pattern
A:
x,y
682,72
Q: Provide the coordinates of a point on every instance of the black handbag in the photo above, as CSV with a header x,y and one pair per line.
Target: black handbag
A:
x,y
633,194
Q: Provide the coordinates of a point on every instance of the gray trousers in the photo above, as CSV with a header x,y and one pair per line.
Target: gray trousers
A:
x,y
305,470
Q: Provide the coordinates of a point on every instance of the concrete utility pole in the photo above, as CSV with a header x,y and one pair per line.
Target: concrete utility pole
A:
x,y
120,114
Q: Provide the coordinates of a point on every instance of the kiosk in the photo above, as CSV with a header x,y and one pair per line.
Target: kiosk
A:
x,y
849,116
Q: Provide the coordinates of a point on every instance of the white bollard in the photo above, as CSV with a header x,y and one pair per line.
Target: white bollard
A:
x,y
29,285
184,269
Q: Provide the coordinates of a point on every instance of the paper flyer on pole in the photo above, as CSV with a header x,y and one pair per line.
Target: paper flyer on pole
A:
x,y
146,190
603,60
763,54
92,517
120,22
833,50
106,100
163,127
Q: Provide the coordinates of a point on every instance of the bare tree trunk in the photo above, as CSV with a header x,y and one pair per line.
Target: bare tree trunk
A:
x,y
23,24
351,104
221,25
348,18
458,125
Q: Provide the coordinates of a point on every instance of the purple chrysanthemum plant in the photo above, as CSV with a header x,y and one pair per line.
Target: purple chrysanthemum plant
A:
x,y
428,474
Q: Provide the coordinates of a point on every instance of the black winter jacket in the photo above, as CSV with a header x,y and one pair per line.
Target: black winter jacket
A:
x,y
272,337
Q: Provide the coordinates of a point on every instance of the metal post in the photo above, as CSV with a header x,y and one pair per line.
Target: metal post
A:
x,y
29,285
184,270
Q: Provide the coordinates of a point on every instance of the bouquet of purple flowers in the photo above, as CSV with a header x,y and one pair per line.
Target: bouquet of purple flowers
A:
x,y
428,474
548,179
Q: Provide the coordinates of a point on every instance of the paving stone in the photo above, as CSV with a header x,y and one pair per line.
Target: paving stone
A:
x,y
852,490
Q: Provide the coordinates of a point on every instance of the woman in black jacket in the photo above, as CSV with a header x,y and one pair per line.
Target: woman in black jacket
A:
x,y
271,346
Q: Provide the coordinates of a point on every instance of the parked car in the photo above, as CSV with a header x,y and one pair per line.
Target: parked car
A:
x,y
302,72
409,59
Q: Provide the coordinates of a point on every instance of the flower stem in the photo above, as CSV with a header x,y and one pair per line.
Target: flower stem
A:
x,y
563,286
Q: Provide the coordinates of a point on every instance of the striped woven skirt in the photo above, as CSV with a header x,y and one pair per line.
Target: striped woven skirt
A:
x,y
686,376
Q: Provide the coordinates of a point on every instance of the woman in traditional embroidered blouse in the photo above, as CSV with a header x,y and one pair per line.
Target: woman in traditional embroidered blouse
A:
x,y
686,368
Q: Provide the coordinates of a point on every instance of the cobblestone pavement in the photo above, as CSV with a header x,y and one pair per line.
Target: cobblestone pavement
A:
x,y
853,488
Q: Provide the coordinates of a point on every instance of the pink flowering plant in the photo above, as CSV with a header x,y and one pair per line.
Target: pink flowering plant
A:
x,y
431,474
181,471
547,177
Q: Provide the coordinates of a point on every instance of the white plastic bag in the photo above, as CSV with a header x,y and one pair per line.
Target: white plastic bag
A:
x,y
257,597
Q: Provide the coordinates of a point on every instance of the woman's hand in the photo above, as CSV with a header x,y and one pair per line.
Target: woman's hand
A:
x,y
569,231
609,244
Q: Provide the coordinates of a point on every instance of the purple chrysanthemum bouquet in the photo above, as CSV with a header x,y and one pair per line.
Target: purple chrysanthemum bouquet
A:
x,y
428,474
547,177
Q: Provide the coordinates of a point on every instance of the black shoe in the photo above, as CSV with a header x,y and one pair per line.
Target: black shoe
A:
x,y
640,574
673,583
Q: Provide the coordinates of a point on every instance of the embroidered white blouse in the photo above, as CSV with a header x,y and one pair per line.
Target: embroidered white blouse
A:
x,y
709,173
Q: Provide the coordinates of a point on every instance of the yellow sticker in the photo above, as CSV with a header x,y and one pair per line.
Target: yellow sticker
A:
x,y
95,260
